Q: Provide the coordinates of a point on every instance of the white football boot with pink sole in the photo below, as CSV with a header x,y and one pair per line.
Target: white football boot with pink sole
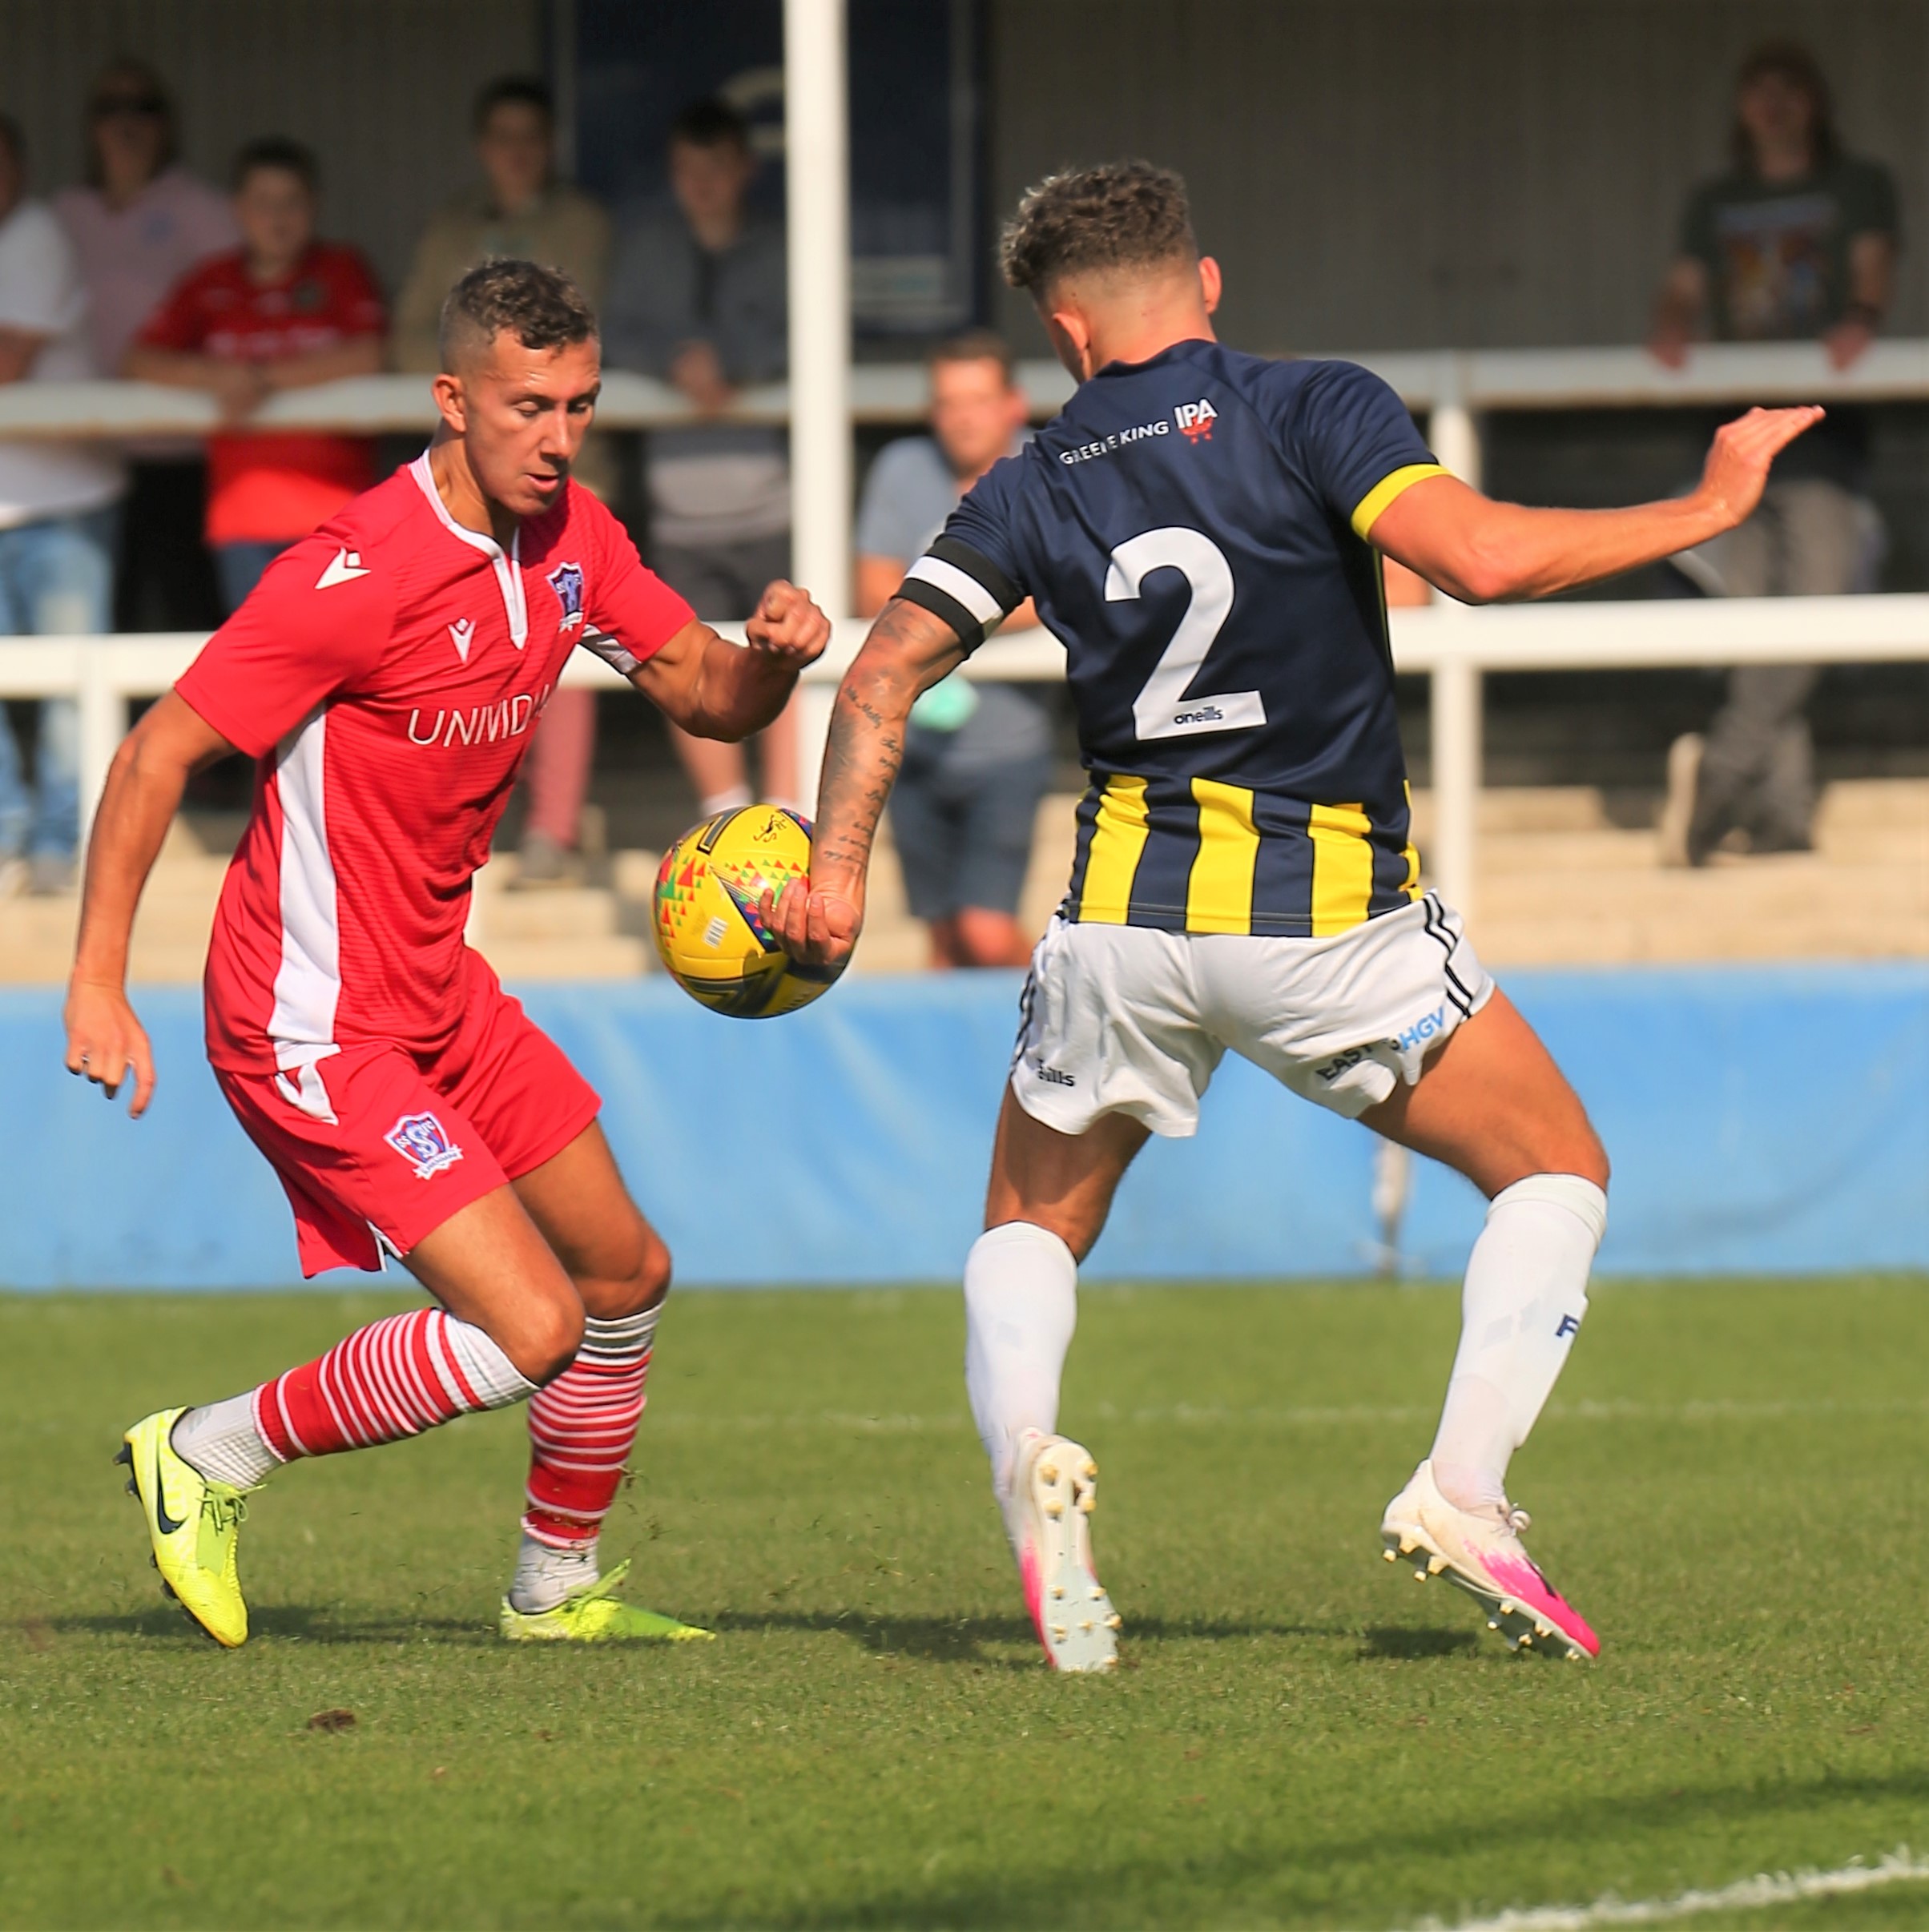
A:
x,y
1481,1551
1054,1491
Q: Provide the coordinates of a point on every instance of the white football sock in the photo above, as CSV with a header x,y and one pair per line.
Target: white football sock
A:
x,y
1525,1295
1020,1307
729,799
220,1441
545,1574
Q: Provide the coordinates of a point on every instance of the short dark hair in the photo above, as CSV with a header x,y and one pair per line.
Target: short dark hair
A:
x,y
150,90
516,91
1125,214
711,122
542,307
1788,60
275,151
978,345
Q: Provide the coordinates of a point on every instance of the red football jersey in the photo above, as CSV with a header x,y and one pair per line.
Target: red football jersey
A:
x,y
387,673
269,487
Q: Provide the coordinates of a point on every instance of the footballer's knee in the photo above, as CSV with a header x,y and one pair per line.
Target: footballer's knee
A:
x,y
1569,1145
1077,1231
983,937
545,1338
1590,1160
630,1274
648,1280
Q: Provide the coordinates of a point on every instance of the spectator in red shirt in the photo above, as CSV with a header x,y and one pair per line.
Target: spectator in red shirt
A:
x,y
284,311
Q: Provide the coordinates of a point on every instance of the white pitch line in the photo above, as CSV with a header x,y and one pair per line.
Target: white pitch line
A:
x,y
1766,1889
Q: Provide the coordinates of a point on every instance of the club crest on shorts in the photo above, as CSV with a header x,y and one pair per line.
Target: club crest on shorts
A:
x,y
422,1141
565,580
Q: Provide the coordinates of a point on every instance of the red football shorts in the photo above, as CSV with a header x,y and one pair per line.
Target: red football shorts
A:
x,y
377,1145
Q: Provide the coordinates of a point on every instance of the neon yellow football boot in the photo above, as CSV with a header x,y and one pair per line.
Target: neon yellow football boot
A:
x,y
592,1614
193,1524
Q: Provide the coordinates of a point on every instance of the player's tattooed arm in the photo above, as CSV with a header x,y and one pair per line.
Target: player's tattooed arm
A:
x,y
908,651
106,1043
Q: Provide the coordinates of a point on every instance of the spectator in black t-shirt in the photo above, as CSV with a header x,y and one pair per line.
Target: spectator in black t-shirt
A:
x,y
1796,242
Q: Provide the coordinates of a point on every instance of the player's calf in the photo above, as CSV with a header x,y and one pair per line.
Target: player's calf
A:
x,y
1020,1307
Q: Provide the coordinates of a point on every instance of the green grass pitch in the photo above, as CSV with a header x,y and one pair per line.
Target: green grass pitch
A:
x,y
1730,1484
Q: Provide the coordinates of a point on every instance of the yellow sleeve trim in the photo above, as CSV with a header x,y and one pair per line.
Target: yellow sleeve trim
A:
x,y
1374,504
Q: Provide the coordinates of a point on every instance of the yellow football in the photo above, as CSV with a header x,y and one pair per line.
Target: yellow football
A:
x,y
708,919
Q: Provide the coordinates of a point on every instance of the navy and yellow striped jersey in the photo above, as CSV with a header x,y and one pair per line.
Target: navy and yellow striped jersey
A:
x,y
1193,529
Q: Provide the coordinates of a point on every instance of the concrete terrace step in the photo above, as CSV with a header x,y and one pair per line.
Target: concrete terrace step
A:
x,y
609,956
1568,876
1609,939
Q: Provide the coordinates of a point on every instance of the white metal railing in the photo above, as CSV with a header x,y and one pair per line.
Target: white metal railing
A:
x,y
1454,388
1453,647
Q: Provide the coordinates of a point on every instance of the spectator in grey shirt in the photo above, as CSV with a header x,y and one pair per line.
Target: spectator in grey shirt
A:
x,y
697,298
1797,240
977,756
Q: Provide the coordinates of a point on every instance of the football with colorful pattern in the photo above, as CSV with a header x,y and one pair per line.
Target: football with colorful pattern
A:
x,y
707,919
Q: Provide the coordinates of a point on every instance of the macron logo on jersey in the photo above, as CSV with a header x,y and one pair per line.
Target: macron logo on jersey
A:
x,y
344,568
461,634
1196,420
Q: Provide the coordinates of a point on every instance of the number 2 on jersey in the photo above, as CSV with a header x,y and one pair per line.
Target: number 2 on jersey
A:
x,y
1162,710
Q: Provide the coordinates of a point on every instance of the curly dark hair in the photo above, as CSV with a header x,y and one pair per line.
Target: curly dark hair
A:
x,y
1124,214
542,307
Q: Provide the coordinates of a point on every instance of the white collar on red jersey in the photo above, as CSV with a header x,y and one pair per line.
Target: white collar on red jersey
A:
x,y
508,568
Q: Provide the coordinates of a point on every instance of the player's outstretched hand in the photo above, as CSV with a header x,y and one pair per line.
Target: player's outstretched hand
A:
x,y
815,928
1738,465
106,1043
788,625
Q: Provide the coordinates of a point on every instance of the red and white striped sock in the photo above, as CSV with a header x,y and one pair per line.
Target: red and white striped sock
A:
x,y
582,1426
394,1378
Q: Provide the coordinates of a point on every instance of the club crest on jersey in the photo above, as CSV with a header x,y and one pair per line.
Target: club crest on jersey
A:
x,y
565,580
1196,420
424,1143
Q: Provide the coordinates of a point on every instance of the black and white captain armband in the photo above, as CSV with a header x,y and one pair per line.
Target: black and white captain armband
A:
x,y
966,589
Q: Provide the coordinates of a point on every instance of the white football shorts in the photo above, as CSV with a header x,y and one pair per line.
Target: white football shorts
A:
x,y
1129,1020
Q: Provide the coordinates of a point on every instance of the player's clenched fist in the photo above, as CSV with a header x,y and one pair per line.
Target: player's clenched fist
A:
x,y
106,1043
788,625
816,929
1738,465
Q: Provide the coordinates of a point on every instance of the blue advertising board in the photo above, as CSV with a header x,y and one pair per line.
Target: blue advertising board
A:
x,y
1769,1119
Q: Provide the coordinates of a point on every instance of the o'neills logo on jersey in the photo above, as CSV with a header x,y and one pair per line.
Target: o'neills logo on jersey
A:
x,y
482,724
1196,420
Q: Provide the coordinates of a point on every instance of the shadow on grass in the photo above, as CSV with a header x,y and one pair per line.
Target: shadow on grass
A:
x,y
983,1641
291,1622
964,1640
1413,1646
997,1643
1306,1880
